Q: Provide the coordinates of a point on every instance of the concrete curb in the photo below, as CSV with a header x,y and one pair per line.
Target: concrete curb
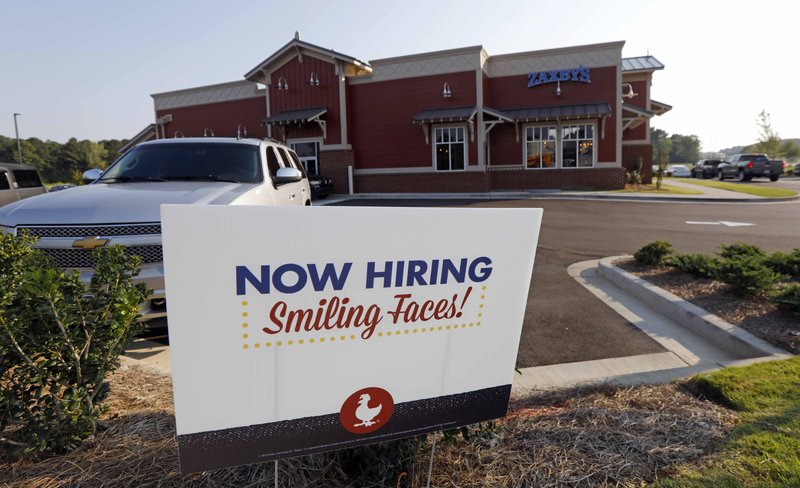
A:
x,y
546,195
690,316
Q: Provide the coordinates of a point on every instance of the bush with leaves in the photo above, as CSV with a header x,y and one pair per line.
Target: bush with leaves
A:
x,y
699,265
788,264
740,250
653,253
747,273
788,297
59,338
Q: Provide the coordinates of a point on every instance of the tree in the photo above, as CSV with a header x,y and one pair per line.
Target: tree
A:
x,y
661,149
684,149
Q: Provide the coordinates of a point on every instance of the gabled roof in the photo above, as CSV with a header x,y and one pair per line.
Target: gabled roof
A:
x,y
641,63
256,74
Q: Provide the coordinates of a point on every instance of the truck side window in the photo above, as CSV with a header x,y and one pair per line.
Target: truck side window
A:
x,y
4,185
272,162
293,161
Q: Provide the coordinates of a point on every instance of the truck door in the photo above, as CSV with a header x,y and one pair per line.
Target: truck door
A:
x,y
287,193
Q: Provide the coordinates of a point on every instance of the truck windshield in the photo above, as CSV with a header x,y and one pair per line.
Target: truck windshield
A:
x,y
200,161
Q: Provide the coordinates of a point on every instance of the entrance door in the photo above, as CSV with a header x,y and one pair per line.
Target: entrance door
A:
x,y
308,152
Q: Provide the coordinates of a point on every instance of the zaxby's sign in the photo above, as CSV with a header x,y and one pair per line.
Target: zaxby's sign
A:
x,y
580,74
301,330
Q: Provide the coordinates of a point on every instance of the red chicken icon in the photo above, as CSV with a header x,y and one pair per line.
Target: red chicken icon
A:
x,y
366,410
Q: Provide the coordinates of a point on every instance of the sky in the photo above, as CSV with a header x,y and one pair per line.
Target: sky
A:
x,y
86,69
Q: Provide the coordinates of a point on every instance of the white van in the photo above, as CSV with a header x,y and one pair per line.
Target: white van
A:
x,y
18,181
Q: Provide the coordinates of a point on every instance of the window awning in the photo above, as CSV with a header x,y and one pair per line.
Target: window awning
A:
x,y
559,112
633,116
299,116
659,108
441,115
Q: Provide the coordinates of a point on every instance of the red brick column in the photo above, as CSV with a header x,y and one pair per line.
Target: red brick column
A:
x,y
333,164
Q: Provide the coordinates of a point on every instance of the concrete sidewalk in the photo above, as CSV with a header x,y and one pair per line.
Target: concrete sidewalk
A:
x,y
706,194
695,340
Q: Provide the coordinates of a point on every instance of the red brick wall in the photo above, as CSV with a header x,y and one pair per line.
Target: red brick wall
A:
x,y
640,100
221,117
566,179
382,132
508,92
333,164
301,95
630,159
456,182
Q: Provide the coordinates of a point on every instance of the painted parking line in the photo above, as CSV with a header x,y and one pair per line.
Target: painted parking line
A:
x,y
721,222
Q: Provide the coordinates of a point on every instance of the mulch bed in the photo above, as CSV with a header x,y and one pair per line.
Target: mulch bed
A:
x,y
757,315
592,437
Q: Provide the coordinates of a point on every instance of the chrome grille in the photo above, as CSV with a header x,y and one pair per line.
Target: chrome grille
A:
x,y
84,258
94,231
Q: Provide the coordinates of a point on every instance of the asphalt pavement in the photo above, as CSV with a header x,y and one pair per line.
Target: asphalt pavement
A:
x,y
572,333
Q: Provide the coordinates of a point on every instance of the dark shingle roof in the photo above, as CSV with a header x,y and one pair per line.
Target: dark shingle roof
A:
x,y
641,63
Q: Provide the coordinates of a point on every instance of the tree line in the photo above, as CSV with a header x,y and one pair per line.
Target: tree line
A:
x,y
59,162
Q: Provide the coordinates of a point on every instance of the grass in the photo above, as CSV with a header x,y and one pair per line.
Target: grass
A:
x,y
764,449
761,191
665,190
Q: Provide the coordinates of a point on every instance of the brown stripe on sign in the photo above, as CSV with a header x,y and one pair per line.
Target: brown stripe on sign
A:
x,y
217,449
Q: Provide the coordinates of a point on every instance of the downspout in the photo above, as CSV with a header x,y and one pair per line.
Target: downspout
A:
x,y
267,84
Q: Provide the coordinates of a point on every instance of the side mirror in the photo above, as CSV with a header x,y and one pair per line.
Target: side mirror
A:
x,y
288,175
91,175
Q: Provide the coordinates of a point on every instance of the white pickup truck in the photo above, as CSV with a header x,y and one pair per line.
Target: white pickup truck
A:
x,y
122,205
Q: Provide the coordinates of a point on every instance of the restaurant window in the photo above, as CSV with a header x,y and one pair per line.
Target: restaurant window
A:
x,y
540,146
577,146
449,149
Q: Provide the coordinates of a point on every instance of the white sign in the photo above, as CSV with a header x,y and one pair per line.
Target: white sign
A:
x,y
300,330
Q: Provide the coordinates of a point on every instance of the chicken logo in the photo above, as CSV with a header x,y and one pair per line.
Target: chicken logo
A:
x,y
366,410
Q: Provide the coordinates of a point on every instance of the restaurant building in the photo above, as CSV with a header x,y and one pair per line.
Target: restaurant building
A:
x,y
459,120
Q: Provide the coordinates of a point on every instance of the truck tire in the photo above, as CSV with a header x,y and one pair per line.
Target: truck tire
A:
x,y
706,176
742,177
721,175
774,177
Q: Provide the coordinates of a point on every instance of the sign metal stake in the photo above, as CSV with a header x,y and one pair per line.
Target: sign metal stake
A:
x,y
430,464
276,473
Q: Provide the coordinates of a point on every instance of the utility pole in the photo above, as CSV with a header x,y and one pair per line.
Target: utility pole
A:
x,y
16,130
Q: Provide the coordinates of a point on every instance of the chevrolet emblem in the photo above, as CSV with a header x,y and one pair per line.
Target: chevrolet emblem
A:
x,y
90,243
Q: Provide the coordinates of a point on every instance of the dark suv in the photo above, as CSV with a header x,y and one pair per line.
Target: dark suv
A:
x,y
706,168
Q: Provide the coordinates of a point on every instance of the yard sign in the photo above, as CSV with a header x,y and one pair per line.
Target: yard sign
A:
x,y
301,330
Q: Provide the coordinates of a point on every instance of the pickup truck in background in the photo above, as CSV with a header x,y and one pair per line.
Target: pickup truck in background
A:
x,y
745,167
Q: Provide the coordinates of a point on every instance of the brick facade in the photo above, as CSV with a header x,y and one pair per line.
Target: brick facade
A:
x,y
457,182
334,164
567,179
630,159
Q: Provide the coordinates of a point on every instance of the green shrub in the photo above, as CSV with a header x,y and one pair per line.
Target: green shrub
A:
x,y
740,249
788,264
788,297
59,338
700,265
747,273
653,253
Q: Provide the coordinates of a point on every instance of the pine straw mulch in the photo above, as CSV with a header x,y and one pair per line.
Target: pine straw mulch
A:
x,y
599,436
756,315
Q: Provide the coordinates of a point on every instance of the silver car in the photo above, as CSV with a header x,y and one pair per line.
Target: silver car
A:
x,y
122,206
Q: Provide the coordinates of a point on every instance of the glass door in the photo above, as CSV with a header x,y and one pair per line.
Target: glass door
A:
x,y
308,152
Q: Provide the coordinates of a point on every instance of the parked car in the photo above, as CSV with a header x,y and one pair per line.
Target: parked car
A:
x,y
678,171
18,181
321,186
706,168
123,204
797,169
745,167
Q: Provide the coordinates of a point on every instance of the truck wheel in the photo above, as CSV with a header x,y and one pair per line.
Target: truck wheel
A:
x,y
706,176
721,176
742,177
774,177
